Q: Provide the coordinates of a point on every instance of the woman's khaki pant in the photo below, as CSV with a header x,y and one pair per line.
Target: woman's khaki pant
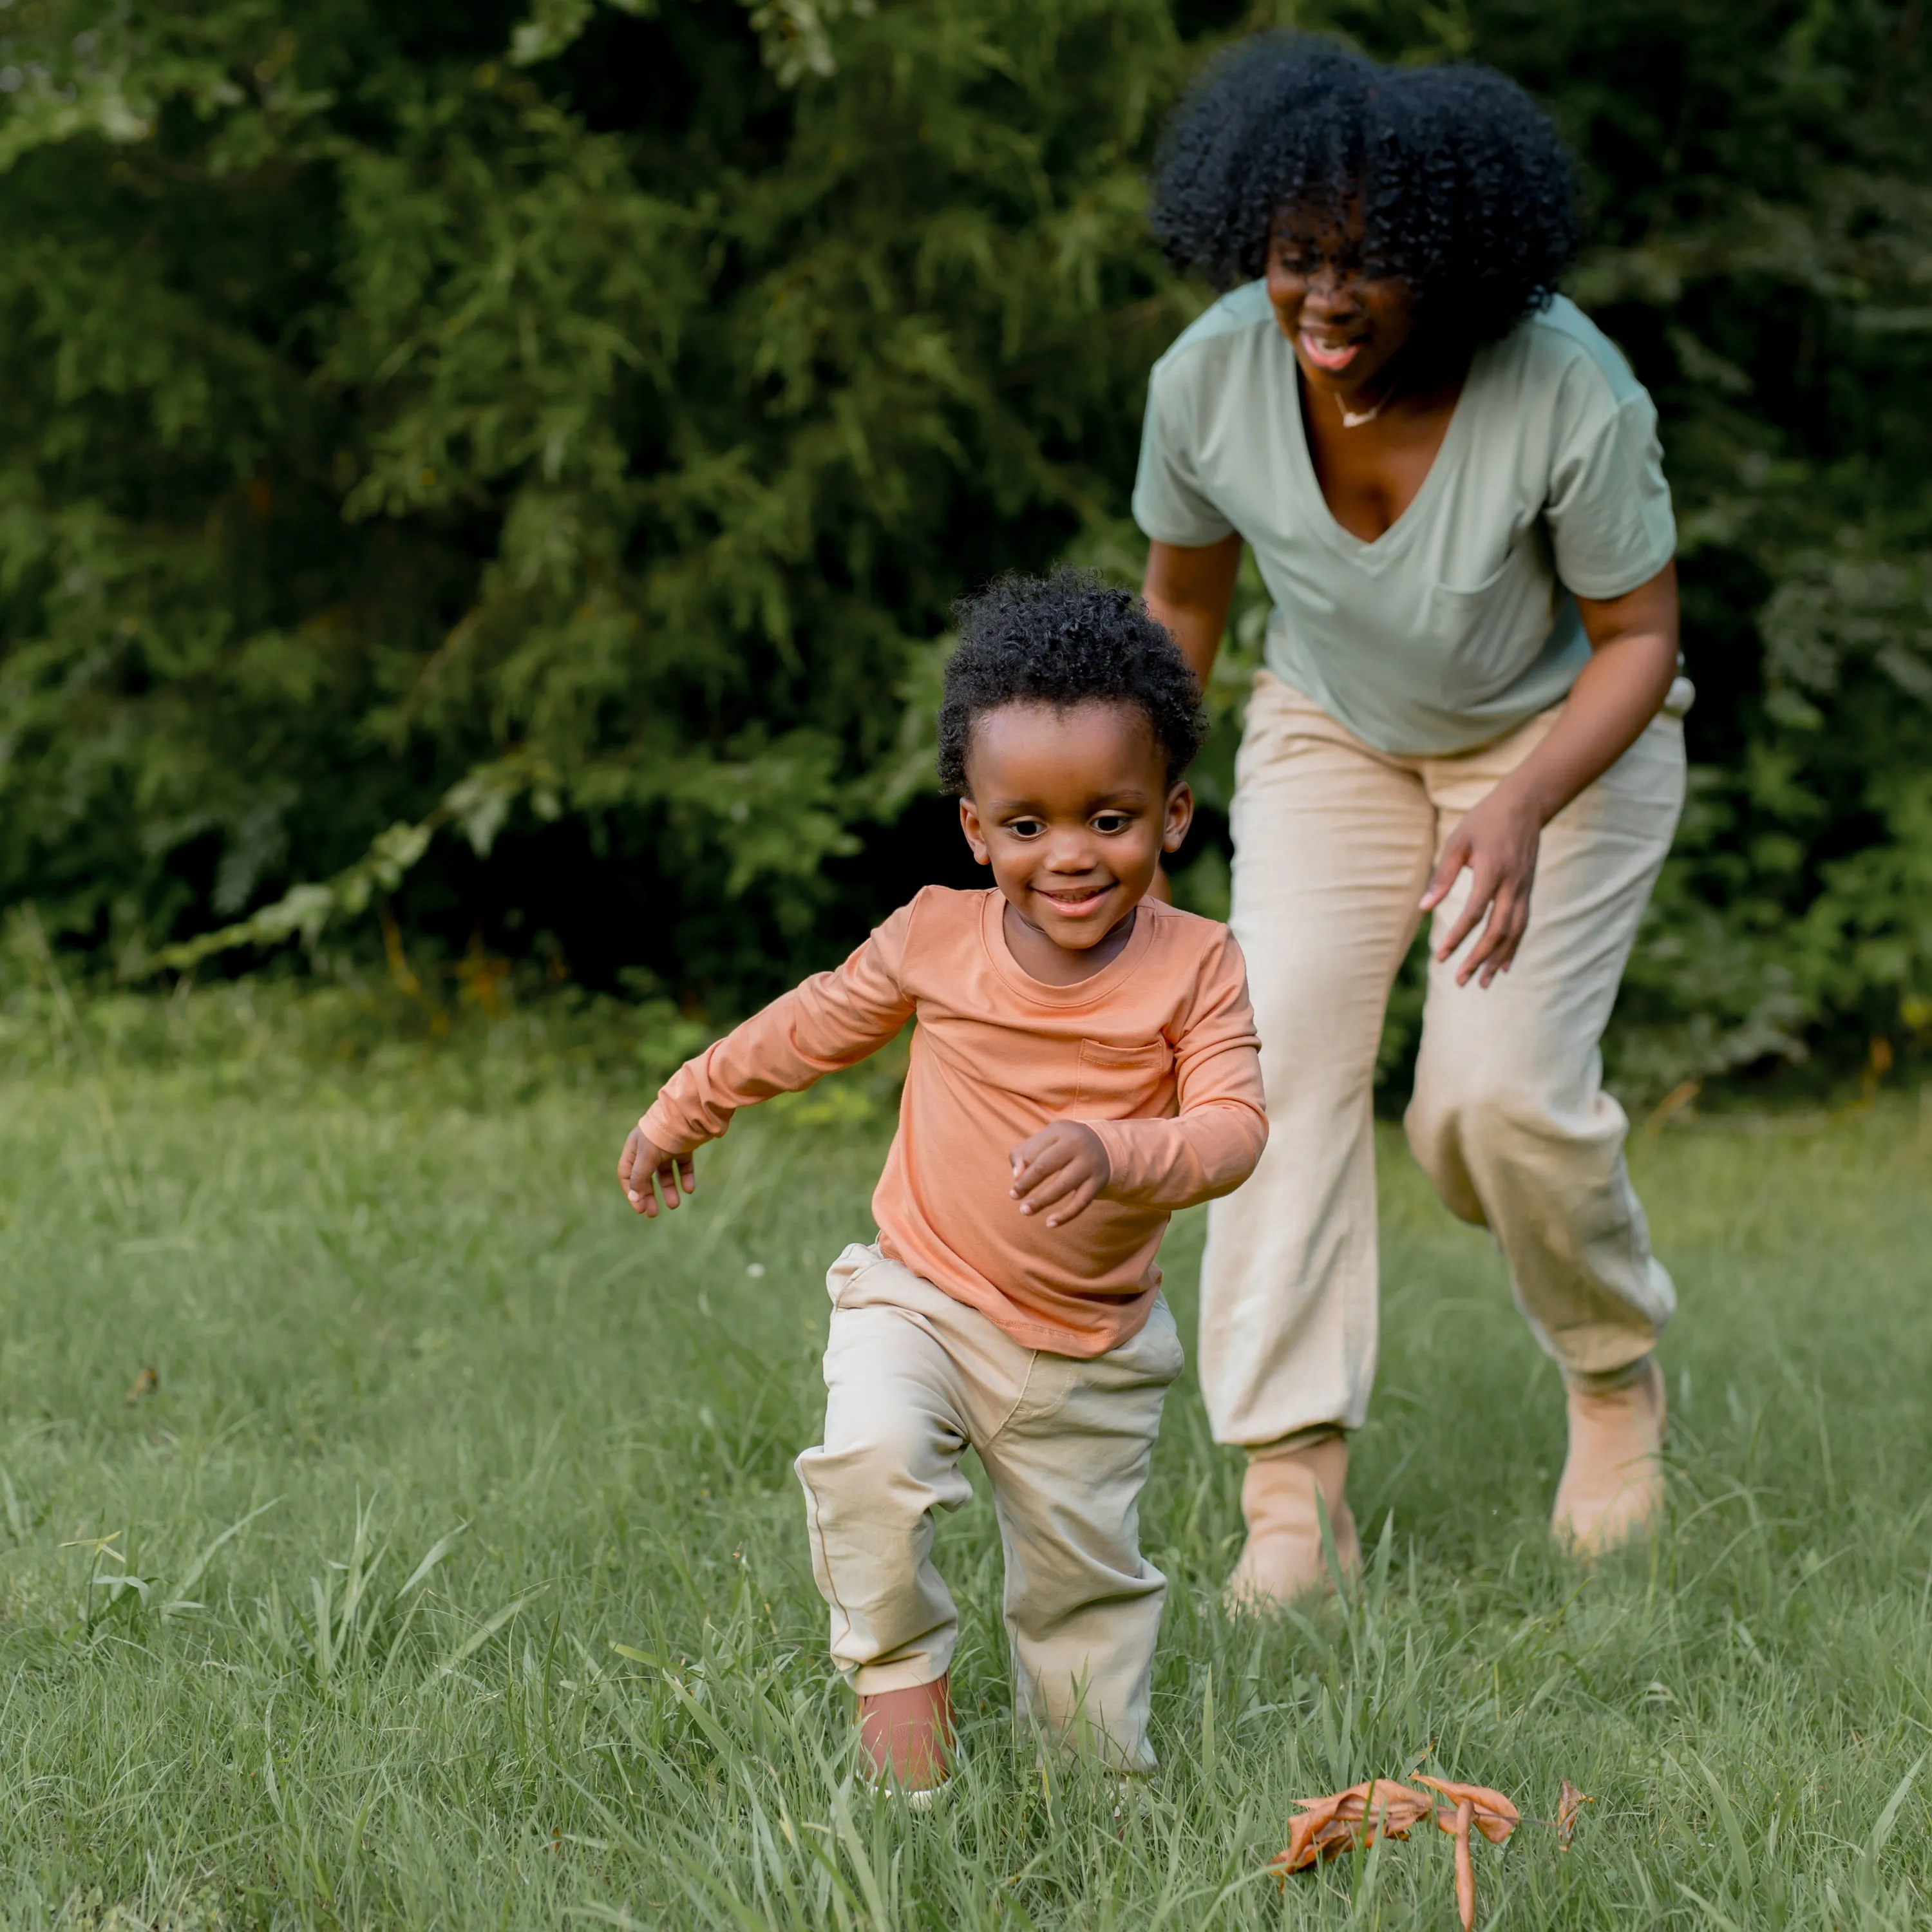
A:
x,y
1333,843
913,1378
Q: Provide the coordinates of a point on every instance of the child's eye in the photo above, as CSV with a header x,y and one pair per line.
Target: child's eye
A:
x,y
1025,828
1108,822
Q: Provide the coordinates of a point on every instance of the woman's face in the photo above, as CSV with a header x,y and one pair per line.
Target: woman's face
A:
x,y
1345,324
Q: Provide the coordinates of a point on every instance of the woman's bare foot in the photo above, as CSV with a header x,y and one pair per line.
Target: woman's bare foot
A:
x,y
1612,1485
1282,1559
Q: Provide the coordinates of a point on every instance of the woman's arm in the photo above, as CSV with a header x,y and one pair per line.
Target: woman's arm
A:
x,y
1190,590
1633,658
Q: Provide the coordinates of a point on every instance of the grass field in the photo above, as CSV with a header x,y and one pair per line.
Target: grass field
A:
x,y
452,1573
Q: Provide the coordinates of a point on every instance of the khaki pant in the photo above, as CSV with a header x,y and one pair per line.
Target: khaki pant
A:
x,y
913,1378
1333,843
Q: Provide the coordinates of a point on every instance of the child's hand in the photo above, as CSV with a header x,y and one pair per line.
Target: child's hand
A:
x,y
640,1162
1062,1168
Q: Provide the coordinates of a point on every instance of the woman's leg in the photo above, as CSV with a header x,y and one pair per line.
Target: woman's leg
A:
x,y
1332,848
1509,1118
1332,844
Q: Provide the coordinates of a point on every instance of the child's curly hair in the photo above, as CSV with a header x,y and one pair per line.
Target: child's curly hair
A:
x,y
1068,639
1464,187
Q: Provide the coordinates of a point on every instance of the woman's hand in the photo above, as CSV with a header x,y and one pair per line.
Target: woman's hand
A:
x,y
1632,659
1496,844
641,1162
1062,1167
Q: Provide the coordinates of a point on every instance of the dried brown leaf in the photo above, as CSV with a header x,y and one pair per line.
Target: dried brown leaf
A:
x,y
1465,1869
1568,1806
146,1383
1494,1817
1491,1814
1346,1819
1323,1827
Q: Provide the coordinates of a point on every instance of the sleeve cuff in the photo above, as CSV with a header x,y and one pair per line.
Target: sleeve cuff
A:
x,y
1183,536
663,1129
1603,588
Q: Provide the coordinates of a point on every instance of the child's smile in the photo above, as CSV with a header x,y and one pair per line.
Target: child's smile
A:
x,y
1076,901
1072,809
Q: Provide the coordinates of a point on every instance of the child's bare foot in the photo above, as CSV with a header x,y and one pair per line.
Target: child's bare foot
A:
x,y
907,1734
1282,1559
1612,1485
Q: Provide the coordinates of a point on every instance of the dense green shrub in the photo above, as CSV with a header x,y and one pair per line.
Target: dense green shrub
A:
x,y
595,430
511,465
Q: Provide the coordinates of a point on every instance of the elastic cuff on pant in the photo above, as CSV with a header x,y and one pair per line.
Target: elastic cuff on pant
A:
x,y
1607,1382
1294,1442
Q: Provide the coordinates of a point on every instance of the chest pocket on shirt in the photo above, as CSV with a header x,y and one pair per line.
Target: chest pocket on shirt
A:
x,y
1122,1083
1480,640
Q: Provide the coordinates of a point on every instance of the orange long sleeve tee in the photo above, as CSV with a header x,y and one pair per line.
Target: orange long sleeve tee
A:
x,y
1156,1052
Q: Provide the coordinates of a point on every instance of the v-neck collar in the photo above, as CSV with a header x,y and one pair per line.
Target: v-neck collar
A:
x,y
1367,550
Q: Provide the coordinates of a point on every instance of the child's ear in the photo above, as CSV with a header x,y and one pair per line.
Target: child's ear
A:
x,y
969,824
1179,817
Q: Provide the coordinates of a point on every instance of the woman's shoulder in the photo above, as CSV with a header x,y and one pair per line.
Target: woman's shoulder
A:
x,y
1222,326
1560,349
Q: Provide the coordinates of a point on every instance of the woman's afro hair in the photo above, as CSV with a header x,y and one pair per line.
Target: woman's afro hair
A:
x,y
1068,639
1464,188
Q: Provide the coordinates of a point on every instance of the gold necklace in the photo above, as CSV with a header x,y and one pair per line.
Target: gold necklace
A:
x,y
1354,419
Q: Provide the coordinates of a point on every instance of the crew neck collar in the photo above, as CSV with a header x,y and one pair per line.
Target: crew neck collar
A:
x,y
1082,992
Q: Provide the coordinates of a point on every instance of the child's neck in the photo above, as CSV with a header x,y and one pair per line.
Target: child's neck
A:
x,y
1053,965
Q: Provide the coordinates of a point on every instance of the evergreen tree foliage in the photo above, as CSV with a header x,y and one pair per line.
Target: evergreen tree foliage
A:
x,y
559,425
514,460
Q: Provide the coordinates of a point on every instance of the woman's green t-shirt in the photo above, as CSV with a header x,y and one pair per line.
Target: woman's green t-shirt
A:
x,y
1457,624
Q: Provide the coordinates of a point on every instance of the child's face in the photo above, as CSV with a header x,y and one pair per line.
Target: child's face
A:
x,y
1072,810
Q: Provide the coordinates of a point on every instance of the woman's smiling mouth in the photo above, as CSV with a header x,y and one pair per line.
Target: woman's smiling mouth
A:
x,y
1331,356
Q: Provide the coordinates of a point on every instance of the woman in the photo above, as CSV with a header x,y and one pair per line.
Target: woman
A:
x,y
1452,485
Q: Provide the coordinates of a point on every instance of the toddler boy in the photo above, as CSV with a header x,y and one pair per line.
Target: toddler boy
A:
x,y
1084,1063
